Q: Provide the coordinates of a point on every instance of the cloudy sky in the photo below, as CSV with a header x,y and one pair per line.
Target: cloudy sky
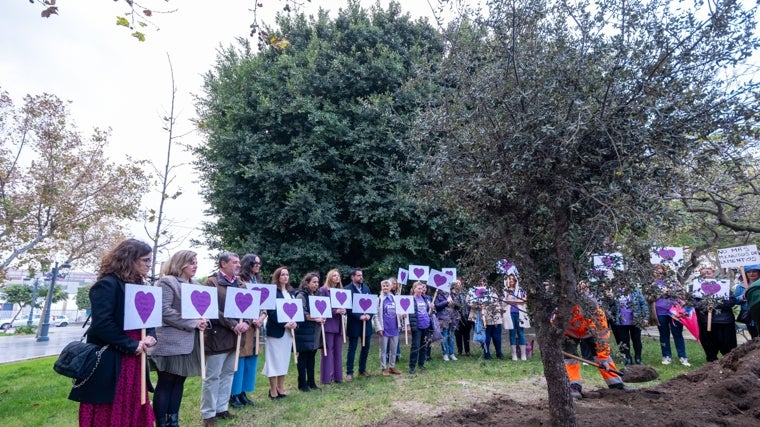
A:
x,y
114,81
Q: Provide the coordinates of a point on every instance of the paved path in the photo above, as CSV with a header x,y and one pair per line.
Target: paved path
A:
x,y
23,347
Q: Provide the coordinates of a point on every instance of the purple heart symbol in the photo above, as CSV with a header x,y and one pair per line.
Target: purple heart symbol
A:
x,y
263,295
201,301
290,308
710,288
243,301
144,303
320,305
450,273
405,304
439,280
403,276
667,254
341,297
365,303
418,272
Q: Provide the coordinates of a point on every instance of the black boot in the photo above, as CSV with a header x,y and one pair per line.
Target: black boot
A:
x,y
310,377
242,397
172,420
235,401
161,421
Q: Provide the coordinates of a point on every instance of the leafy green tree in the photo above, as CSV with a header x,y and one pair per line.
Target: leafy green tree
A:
x,y
571,128
83,298
304,161
17,294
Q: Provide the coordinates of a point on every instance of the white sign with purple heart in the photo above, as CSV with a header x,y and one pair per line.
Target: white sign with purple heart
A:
x,y
340,298
241,304
702,288
142,306
738,256
404,304
320,307
440,280
268,293
365,304
672,255
451,272
402,276
289,310
199,301
419,272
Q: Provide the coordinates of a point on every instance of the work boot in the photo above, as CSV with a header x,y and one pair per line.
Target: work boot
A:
x,y
620,386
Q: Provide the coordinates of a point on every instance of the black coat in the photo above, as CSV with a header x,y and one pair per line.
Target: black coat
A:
x,y
354,324
308,331
107,327
275,329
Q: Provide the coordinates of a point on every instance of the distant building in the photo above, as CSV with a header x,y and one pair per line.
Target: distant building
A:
x,y
70,283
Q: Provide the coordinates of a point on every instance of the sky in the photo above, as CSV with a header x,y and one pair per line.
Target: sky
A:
x,y
113,81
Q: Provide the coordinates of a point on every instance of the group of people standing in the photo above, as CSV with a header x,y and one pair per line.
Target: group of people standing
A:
x,y
174,349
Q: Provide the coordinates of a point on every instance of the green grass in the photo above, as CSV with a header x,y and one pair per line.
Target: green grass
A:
x,y
31,394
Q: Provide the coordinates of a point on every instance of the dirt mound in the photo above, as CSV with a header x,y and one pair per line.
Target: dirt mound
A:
x,y
722,393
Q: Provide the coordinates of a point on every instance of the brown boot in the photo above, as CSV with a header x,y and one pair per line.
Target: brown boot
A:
x,y
394,371
386,372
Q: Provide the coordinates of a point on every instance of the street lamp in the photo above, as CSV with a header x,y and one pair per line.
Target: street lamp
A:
x,y
34,300
46,323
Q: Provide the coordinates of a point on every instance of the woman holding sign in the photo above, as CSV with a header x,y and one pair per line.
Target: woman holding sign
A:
x,y
331,364
112,396
244,379
177,354
308,334
278,344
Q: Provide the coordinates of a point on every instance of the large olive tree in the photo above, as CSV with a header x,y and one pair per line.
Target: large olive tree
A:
x,y
569,126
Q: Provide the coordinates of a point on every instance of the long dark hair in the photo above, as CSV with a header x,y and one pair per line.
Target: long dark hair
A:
x,y
121,260
246,268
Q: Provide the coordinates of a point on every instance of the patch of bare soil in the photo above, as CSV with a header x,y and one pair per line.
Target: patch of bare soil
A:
x,y
722,393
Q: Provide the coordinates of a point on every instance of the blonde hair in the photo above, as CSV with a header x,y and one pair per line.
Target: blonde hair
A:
x,y
177,263
329,274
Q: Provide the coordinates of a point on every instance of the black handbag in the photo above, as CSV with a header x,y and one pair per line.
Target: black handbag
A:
x,y
79,360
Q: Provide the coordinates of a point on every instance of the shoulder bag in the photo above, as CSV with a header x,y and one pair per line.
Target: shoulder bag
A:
x,y
79,360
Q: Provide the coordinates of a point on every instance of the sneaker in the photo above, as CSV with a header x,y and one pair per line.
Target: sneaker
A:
x,y
411,371
575,391
684,361
452,357
423,369
446,357
666,360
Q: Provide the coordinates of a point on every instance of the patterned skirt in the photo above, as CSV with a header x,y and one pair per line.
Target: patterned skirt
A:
x,y
125,410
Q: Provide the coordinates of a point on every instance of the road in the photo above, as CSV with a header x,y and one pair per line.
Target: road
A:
x,y
23,347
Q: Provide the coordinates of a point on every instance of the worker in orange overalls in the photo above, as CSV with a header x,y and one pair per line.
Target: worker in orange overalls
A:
x,y
593,335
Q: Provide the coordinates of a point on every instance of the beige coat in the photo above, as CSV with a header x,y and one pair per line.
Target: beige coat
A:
x,y
176,334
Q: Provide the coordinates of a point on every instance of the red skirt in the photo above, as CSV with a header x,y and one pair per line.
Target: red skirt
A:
x,y
125,410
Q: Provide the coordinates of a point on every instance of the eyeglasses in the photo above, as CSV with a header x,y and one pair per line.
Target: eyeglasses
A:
x,y
147,260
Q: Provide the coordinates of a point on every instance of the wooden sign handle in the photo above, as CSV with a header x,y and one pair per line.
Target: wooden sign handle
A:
x,y
143,384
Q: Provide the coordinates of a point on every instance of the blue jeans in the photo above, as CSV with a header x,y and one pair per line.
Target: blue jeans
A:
x,y
668,326
493,332
447,343
517,333
245,377
354,342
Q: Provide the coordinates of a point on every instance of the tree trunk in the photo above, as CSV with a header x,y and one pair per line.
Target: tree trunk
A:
x,y
550,336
